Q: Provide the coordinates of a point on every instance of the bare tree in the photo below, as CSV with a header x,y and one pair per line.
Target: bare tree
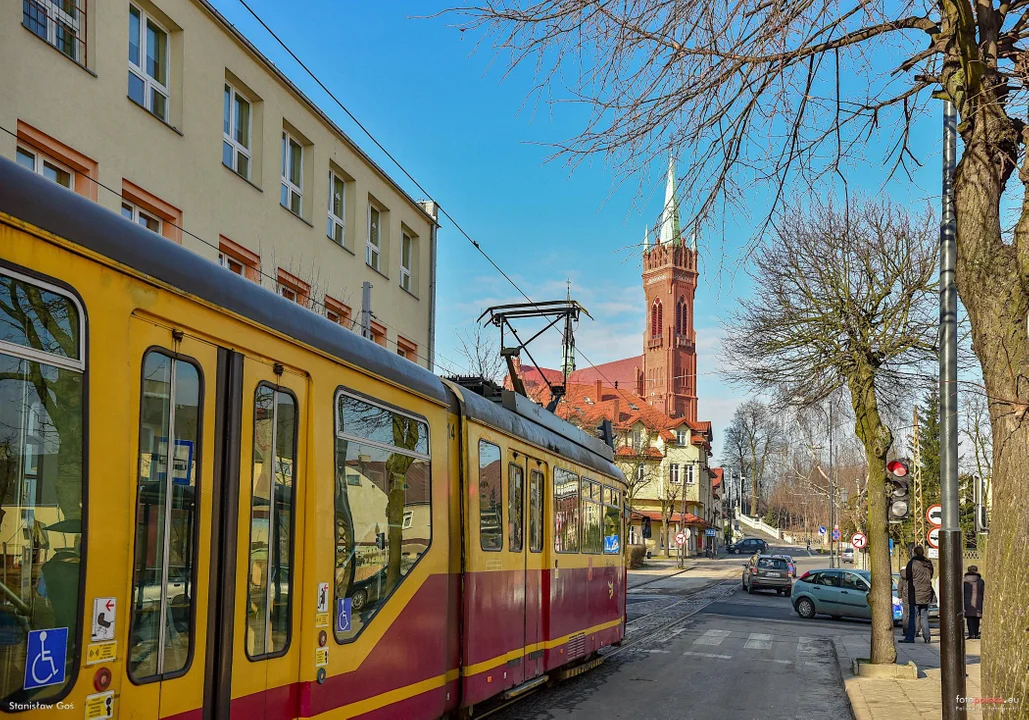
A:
x,y
640,471
751,440
848,301
670,499
750,92
481,354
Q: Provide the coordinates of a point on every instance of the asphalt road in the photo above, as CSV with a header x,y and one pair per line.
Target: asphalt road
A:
x,y
720,654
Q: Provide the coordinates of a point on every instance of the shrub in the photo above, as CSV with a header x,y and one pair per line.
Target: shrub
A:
x,y
636,555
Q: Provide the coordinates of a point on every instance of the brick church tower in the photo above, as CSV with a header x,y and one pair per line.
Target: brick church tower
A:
x,y
669,377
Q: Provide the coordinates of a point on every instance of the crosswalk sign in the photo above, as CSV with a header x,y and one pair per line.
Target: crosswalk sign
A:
x,y
45,657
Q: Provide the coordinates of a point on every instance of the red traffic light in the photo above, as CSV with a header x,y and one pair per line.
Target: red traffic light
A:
x,y
897,467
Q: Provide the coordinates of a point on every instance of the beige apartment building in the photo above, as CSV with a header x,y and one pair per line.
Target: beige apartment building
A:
x,y
163,112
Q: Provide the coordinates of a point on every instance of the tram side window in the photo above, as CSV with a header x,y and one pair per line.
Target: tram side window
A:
x,y
536,483
612,521
592,517
271,521
516,519
566,511
42,334
161,612
383,509
491,508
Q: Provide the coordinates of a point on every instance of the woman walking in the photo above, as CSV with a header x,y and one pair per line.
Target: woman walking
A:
x,y
974,587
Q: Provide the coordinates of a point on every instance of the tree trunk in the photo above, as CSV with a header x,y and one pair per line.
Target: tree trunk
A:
x,y
877,440
993,281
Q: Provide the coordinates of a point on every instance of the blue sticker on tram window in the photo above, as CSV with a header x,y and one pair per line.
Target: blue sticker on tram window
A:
x,y
611,543
45,656
343,614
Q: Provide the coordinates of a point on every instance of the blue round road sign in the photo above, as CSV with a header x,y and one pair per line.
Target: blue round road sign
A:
x,y
821,529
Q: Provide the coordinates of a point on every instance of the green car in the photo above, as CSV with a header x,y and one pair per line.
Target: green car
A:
x,y
837,593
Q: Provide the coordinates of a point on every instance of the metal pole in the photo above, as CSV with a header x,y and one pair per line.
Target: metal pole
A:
x,y
952,638
832,496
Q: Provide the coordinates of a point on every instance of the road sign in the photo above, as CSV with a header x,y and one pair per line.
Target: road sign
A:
x,y
836,534
45,657
859,541
935,514
103,619
710,532
680,538
821,529
933,538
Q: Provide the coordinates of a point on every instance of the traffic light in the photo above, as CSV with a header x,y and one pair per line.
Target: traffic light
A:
x,y
899,487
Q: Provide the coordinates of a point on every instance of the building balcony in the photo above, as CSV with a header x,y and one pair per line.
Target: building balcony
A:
x,y
655,341
682,341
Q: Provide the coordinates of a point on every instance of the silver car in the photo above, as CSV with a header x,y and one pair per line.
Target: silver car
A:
x,y
767,572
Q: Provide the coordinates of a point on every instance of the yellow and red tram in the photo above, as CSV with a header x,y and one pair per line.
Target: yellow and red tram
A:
x,y
216,503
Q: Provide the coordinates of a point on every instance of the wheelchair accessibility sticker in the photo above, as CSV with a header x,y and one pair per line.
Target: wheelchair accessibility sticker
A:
x,y
45,657
343,614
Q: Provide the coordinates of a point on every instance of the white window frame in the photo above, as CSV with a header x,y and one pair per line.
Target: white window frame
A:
x,y
137,212
673,473
55,15
284,288
682,437
373,250
224,259
337,221
229,137
292,189
150,83
405,271
39,161
690,474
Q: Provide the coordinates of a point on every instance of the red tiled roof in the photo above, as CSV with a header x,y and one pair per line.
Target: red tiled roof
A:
x,y
718,475
650,452
621,371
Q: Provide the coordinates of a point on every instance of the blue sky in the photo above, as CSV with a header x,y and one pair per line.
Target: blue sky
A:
x,y
465,132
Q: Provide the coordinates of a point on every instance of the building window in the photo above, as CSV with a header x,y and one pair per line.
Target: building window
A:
x,y
59,24
689,474
148,63
683,437
236,132
141,217
637,440
407,349
292,173
337,312
239,260
337,209
376,545
673,473
656,319
293,288
49,168
373,246
378,333
406,251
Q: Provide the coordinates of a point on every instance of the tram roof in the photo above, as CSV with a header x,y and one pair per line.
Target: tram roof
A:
x,y
47,205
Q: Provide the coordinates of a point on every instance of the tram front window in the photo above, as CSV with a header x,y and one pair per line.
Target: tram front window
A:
x,y
41,479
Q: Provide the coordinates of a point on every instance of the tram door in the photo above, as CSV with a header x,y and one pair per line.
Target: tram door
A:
x,y
268,543
171,376
517,550
536,491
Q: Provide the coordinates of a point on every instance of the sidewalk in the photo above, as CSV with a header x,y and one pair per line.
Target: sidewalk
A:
x,y
889,699
657,568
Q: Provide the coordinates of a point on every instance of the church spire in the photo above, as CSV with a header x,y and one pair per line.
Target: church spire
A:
x,y
646,238
670,231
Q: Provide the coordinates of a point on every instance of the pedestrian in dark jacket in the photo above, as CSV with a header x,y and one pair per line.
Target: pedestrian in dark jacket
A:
x,y
920,594
974,587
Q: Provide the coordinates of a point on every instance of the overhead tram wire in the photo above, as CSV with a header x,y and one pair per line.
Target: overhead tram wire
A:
x,y
447,366
400,167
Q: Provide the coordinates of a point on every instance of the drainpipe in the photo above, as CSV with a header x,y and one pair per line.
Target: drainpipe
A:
x,y
432,209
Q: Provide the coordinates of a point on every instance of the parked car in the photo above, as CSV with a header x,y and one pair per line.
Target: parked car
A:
x,y
789,561
836,593
847,555
748,546
767,572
